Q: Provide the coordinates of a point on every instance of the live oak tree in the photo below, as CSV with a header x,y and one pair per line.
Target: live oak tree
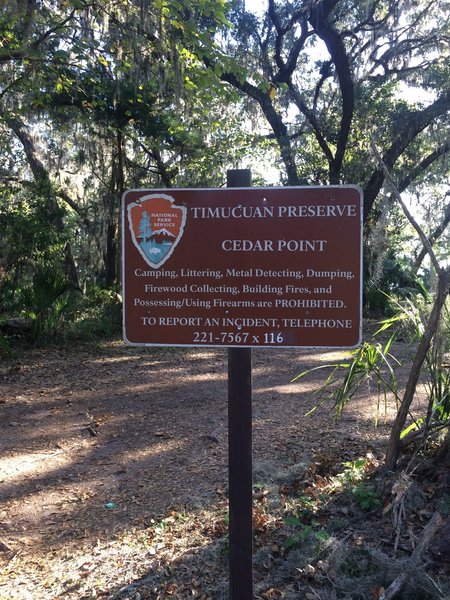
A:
x,y
132,93
119,101
28,33
331,75
327,74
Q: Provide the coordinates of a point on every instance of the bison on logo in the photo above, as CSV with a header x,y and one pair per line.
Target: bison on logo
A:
x,y
156,227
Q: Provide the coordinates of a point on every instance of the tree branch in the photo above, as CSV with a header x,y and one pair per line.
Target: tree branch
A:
x,y
428,533
286,68
7,55
74,206
405,209
333,40
275,120
435,235
412,125
419,169
161,166
311,117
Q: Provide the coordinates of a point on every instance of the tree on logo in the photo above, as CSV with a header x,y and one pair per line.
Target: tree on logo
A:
x,y
145,230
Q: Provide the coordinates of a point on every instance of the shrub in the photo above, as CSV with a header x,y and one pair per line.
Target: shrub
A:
x,y
47,301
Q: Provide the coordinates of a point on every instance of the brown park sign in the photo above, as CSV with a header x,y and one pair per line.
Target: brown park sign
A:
x,y
243,266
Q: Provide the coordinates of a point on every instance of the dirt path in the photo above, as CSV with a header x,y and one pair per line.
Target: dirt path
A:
x,y
98,441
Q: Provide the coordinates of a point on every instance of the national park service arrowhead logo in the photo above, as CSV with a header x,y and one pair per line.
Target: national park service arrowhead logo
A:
x,y
156,227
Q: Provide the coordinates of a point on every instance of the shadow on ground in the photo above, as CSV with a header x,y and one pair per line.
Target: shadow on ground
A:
x,y
99,441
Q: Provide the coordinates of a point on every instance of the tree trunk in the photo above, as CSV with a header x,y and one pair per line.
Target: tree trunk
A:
x,y
117,187
424,345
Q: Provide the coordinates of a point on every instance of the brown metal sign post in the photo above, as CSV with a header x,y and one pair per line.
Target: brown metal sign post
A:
x,y
240,472
242,267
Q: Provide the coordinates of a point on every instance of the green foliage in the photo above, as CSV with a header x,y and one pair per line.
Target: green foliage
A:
x,y
25,230
303,532
388,267
98,315
374,362
352,480
367,363
411,315
439,390
5,347
366,496
358,562
169,93
350,484
47,301
354,471
305,525
438,367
